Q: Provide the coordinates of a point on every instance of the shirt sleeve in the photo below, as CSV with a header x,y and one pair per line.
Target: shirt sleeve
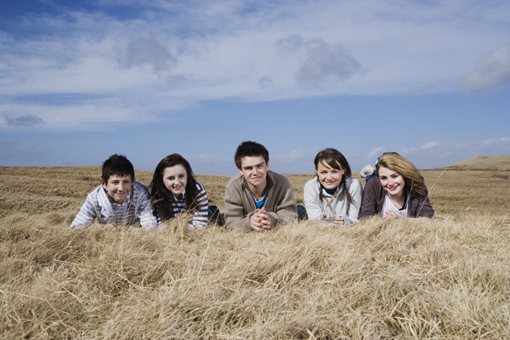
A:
x,y
356,192
234,210
86,215
286,210
425,208
201,214
369,200
144,210
312,202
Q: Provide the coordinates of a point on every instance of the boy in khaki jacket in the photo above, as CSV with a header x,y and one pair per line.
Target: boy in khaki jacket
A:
x,y
257,199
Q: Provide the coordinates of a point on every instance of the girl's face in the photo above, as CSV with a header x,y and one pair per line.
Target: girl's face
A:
x,y
329,177
392,182
175,179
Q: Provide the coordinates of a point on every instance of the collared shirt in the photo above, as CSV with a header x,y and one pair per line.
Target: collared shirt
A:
x,y
98,205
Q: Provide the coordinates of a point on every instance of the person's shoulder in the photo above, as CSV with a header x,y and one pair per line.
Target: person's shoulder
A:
x,y
277,176
235,180
95,192
139,187
93,196
373,184
199,185
356,183
312,183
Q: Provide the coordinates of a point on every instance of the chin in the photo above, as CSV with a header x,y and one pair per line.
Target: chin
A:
x,y
330,186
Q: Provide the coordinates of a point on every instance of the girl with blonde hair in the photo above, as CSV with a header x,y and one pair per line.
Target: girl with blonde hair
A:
x,y
399,190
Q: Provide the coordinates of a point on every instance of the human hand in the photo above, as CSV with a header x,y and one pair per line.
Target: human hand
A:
x,y
339,220
390,215
260,220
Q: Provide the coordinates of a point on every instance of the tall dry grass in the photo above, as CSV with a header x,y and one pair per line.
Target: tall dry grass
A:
x,y
445,278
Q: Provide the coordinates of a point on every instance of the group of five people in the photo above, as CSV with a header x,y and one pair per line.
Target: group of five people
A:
x,y
257,198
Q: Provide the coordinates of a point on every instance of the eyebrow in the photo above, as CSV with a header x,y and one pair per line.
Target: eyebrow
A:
x,y
253,166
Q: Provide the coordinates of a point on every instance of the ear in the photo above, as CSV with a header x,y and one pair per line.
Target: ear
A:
x,y
103,183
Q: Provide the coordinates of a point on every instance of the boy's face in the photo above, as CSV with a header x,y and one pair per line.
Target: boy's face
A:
x,y
254,170
118,187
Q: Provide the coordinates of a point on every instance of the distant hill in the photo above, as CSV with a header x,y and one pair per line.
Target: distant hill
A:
x,y
483,163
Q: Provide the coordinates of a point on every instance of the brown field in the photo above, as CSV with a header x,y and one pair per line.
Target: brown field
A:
x,y
443,278
483,163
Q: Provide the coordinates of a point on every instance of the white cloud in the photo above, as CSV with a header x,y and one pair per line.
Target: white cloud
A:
x,y
430,145
436,154
86,116
147,51
492,71
174,54
319,61
496,145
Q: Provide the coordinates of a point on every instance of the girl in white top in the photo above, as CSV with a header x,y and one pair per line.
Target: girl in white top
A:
x,y
333,195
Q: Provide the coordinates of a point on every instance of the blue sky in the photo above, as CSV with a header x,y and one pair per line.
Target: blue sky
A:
x,y
80,80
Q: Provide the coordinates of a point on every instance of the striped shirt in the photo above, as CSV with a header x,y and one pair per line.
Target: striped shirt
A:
x,y
98,205
200,216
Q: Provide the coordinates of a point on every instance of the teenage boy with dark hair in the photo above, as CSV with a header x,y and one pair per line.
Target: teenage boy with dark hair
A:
x,y
118,200
258,198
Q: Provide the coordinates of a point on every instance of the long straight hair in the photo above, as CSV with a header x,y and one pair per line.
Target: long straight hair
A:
x,y
161,198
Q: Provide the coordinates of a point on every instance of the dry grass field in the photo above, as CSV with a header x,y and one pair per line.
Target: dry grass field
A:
x,y
447,278
483,163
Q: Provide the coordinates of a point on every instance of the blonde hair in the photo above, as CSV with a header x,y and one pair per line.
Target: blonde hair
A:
x,y
414,182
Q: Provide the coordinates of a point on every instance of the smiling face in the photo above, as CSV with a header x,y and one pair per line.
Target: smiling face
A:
x,y
175,179
392,182
118,187
254,170
328,176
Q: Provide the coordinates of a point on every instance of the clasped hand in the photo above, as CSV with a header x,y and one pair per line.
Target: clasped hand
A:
x,y
260,220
